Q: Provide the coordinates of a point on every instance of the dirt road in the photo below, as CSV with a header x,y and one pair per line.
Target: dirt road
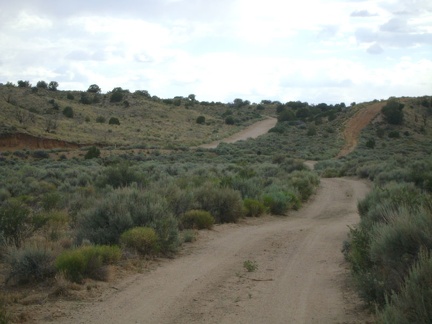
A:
x,y
252,131
354,126
301,275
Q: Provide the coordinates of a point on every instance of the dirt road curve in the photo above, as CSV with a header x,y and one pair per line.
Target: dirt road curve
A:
x,y
252,131
301,275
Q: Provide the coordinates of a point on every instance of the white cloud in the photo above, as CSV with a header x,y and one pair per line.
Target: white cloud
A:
x,y
312,51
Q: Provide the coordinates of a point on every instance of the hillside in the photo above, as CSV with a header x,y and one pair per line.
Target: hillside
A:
x,y
39,118
69,205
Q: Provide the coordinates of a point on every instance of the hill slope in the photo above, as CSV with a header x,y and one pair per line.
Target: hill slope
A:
x,y
142,121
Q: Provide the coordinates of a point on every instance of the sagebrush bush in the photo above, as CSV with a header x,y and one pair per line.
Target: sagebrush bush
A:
x,y
4,315
142,239
224,204
253,207
15,222
199,219
305,182
87,261
189,236
125,208
121,175
280,198
30,264
413,304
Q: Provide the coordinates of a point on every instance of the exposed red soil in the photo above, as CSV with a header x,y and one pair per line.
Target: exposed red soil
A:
x,y
24,141
354,126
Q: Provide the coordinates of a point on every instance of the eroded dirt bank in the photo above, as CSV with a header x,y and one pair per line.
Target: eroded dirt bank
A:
x,y
301,275
24,141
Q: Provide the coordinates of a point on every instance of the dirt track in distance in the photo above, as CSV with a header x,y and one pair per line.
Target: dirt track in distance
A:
x,y
354,126
252,131
301,275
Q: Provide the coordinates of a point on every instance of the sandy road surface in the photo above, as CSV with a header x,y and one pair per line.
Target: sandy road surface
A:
x,y
301,275
252,131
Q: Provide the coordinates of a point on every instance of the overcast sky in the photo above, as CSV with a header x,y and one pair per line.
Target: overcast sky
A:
x,y
311,50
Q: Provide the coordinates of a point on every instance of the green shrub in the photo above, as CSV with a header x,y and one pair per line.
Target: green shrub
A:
x,y
121,175
395,247
200,120
199,219
87,261
254,208
4,315
189,236
278,202
68,112
15,222
117,96
250,266
92,153
40,155
393,112
229,120
30,264
224,204
125,208
142,239
311,131
305,182
414,302
100,119
370,143
394,134
51,200
167,231
114,121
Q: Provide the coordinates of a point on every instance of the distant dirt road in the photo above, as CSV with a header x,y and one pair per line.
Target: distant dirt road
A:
x,y
354,126
301,275
252,131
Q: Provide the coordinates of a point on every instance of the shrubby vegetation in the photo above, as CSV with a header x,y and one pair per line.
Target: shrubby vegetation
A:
x,y
145,196
389,250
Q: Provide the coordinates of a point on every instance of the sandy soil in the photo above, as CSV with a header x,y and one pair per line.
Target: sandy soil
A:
x,y
301,276
252,131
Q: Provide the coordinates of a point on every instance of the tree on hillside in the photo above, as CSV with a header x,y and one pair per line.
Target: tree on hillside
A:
x,y
143,93
286,115
200,120
85,98
53,85
68,112
393,112
94,88
42,84
117,95
24,84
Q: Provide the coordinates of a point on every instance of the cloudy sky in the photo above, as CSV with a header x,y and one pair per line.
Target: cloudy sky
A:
x,y
312,50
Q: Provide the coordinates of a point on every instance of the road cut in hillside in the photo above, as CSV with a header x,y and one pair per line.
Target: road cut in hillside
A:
x,y
253,131
354,126
301,275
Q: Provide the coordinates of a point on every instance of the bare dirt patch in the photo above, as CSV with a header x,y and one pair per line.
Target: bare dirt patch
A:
x,y
301,275
354,126
253,131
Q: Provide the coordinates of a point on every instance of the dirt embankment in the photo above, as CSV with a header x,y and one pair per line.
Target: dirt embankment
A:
x,y
354,126
12,142
301,275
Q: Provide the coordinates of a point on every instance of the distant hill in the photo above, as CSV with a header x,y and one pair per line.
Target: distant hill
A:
x,y
75,118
